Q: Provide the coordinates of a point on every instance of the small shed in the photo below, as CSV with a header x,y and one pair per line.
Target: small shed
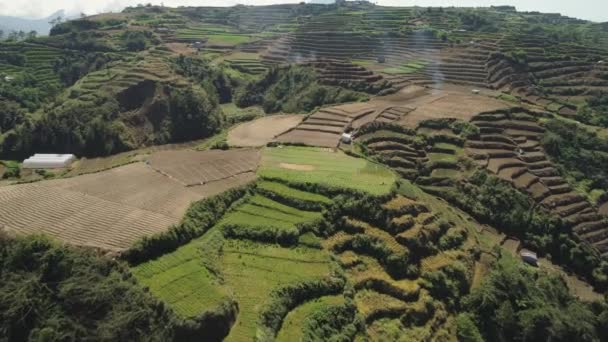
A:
x,y
8,78
475,91
48,161
197,45
529,257
346,138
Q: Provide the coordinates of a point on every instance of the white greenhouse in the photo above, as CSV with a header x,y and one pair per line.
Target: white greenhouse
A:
x,y
48,161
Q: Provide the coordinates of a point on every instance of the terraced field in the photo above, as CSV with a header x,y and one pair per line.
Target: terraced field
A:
x,y
141,200
239,259
38,61
509,147
192,168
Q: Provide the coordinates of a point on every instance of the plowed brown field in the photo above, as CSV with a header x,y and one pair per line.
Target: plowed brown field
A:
x,y
114,208
262,131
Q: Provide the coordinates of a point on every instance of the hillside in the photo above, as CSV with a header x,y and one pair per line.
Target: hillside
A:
x,y
345,172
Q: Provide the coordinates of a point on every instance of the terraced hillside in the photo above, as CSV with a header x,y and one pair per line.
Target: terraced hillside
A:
x,y
318,256
509,147
309,172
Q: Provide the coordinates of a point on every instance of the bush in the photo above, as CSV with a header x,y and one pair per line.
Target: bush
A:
x,y
137,40
466,329
289,297
193,114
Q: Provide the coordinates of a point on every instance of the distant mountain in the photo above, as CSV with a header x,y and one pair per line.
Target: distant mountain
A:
x,y
42,26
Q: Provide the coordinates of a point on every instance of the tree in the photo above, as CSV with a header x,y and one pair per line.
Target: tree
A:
x,y
12,36
31,35
193,114
1,34
21,35
56,21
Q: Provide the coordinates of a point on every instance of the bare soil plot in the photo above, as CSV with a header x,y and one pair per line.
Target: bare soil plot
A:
x,y
453,105
604,209
512,246
75,217
136,185
310,138
181,48
192,168
110,209
262,131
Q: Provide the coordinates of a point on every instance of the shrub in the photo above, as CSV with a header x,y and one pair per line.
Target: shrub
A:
x,y
289,297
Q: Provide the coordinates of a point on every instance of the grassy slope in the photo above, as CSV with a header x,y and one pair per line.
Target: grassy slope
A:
x,y
327,168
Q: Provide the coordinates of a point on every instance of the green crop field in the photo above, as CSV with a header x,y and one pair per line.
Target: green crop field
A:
x,y
253,270
228,39
323,166
260,212
181,280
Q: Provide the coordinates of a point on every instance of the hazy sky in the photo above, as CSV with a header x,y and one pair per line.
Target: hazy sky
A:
x,y
596,10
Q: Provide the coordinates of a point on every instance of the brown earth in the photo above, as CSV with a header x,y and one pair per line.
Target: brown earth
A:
x,y
181,48
114,208
201,167
452,105
297,167
604,209
262,131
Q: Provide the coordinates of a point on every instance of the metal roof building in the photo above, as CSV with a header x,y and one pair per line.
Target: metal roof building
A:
x,y
48,161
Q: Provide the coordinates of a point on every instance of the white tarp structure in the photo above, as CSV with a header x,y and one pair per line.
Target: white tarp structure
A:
x,y
48,161
346,138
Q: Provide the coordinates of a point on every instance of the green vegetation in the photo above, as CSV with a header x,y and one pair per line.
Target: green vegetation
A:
x,y
496,202
293,325
583,155
325,246
52,292
332,169
182,281
406,68
292,90
519,303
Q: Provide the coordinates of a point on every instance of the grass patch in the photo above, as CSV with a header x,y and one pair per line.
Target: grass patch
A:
x,y
326,167
236,114
508,98
448,173
227,39
434,157
406,68
292,328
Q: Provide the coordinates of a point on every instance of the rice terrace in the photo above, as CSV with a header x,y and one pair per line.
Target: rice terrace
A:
x,y
340,171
